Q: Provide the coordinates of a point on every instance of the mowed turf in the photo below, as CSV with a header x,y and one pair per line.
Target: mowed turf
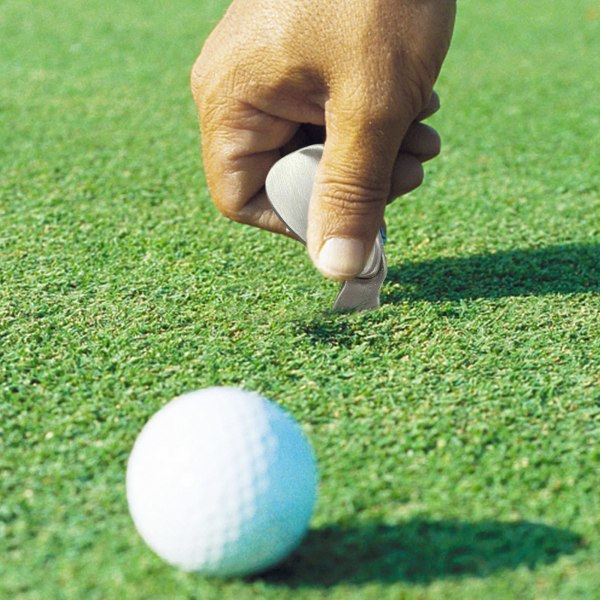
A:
x,y
457,428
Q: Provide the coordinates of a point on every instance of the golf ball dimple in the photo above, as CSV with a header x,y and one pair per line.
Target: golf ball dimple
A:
x,y
221,482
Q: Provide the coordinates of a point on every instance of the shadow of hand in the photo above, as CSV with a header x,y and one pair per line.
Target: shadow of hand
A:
x,y
554,270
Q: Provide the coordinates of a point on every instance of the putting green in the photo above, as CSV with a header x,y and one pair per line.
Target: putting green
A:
x,y
456,428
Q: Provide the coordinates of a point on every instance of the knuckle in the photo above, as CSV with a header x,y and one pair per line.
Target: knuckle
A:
x,y
230,211
418,176
408,176
231,205
198,77
224,198
354,198
434,145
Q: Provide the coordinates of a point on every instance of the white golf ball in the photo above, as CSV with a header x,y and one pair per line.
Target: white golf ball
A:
x,y
221,482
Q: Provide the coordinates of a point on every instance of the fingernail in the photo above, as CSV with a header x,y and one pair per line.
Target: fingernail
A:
x,y
341,258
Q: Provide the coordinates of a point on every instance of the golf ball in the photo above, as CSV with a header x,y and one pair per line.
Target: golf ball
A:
x,y
221,482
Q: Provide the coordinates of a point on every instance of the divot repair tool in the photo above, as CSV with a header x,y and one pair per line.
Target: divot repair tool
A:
x,y
289,187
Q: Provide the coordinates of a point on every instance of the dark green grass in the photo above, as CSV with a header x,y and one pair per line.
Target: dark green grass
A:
x,y
456,428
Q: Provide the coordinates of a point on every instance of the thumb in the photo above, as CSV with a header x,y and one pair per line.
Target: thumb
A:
x,y
352,185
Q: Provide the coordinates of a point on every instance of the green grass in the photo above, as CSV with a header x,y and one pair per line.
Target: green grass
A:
x,y
457,428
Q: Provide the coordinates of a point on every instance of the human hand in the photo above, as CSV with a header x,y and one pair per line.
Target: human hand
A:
x,y
275,75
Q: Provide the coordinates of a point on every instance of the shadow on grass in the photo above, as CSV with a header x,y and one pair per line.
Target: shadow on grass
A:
x,y
419,551
533,272
331,331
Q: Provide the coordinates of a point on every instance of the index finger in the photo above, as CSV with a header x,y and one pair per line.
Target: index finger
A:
x,y
240,144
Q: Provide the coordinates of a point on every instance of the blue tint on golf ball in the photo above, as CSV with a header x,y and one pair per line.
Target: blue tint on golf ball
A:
x,y
222,482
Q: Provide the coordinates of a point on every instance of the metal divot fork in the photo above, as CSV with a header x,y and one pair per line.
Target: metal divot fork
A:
x,y
289,187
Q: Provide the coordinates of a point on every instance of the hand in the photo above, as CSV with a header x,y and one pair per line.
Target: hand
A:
x,y
277,74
